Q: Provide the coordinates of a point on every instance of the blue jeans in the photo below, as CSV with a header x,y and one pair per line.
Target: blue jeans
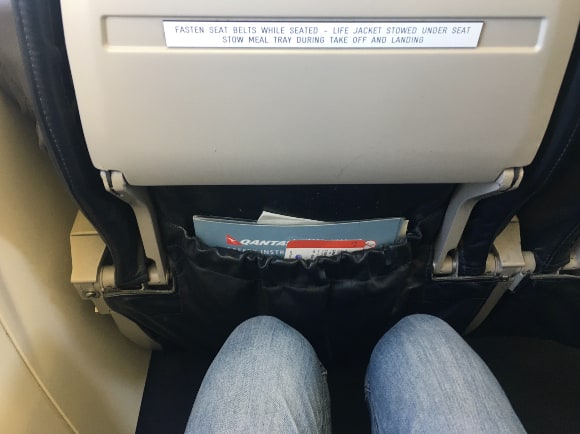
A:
x,y
422,378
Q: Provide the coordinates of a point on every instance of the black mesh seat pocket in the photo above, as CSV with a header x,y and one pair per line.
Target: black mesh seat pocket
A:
x,y
340,303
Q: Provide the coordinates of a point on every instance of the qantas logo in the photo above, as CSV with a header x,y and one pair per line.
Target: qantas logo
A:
x,y
233,242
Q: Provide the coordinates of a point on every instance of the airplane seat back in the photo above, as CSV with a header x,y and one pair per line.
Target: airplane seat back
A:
x,y
546,201
328,110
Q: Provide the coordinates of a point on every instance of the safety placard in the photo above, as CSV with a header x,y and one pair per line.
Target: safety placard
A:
x,y
279,34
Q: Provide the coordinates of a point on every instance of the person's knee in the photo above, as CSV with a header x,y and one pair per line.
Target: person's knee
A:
x,y
271,340
267,329
423,365
412,334
418,327
263,357
260,324
280,360
423,325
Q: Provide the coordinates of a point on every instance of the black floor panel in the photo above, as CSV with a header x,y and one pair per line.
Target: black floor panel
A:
x,y
348,409
172,383
541,378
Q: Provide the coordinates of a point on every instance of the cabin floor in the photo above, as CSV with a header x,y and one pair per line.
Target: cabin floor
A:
x,y
540,375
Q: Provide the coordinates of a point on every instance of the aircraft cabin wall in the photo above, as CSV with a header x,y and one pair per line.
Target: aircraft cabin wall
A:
x,y
63,367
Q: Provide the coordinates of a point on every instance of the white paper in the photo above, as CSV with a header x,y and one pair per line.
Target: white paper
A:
x,y
270,218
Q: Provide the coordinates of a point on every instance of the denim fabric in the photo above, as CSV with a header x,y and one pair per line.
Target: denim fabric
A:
x,y
265,379
424,378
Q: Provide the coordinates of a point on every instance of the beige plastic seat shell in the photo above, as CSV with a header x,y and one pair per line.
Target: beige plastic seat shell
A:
x,y
196,116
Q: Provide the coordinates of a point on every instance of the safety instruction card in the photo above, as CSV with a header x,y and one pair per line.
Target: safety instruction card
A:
x,y
302,240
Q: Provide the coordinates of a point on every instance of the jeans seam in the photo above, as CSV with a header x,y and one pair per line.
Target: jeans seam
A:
x,y
372,416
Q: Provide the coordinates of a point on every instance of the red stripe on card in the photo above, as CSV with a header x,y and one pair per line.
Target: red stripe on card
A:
x,y
326,244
